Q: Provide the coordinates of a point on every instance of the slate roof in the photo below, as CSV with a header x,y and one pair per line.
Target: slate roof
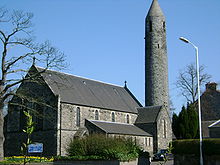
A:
x,y
82,91
119,128
148,114
155,9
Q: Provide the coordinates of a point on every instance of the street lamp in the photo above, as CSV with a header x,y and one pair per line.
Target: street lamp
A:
x,y
199,105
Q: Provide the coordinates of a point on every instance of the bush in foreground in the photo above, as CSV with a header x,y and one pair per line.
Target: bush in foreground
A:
x,y
191,146
99,147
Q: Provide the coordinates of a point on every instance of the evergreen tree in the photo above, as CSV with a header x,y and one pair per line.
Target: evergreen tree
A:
x,y
185,125
175,125
193,120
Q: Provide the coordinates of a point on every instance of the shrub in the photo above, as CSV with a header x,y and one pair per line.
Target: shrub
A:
x,y
191,146
102,147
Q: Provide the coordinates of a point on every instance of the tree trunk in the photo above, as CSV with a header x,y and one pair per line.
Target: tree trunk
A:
x,y
1,133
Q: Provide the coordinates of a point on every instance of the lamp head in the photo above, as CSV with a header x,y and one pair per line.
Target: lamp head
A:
x,y
184,39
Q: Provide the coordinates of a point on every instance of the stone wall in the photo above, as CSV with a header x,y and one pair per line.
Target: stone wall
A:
x,y
214,132
146,143
164,130
69,126
69,115
194,160
34,94
152,129
161,130
14,140
139,161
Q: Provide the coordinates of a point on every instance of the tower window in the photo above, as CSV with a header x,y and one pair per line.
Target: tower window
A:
x,y
78,116
164,26
150,24
96,115
113,117
158,46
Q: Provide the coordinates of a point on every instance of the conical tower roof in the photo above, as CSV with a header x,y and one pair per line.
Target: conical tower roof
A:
x,y
155,9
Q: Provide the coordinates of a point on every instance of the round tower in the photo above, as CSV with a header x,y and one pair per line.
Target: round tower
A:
x,y
156,67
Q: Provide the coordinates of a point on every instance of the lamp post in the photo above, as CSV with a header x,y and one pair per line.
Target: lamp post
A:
x,y
199,105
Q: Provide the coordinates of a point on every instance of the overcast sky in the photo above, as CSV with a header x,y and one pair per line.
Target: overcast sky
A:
x,y
104,39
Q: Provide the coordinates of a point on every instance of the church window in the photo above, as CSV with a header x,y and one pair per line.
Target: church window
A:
x,y
113,116
147,141
128,118
150,24
78,116
22,117
96,115
158,45
164,128
38,117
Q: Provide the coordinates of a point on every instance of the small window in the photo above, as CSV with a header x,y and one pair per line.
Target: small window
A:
x,y
150,24
149,141
164,26
158,46
96,115
77,116
113,116
128,119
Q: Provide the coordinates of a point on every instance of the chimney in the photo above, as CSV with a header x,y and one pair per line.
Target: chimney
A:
x,y
211,86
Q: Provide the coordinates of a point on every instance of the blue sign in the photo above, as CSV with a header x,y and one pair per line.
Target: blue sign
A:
x,y
35,148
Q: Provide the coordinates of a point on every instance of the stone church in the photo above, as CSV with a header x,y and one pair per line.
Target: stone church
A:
x,y
65,106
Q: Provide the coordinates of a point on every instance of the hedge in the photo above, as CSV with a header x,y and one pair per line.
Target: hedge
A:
x,y
191,146
102,147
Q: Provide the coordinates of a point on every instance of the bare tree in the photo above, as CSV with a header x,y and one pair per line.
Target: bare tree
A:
x,y
187,81
16,32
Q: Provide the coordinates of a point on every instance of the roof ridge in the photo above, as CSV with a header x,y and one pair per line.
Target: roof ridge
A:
x,y
102,121
149,107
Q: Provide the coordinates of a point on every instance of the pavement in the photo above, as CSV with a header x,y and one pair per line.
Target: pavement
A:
x,y
169,162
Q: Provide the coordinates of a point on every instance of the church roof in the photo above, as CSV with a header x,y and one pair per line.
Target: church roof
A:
x,y
148,114
155,9
86,92
118,128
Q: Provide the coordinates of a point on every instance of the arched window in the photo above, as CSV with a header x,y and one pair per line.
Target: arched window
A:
x,y
78,116
127,118
96,115
164,128
38,119
113,116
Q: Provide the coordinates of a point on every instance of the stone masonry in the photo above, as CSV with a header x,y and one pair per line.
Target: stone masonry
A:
x,y
156,67
68,121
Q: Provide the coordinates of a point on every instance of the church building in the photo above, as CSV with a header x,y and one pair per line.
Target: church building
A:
x,y
65,106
